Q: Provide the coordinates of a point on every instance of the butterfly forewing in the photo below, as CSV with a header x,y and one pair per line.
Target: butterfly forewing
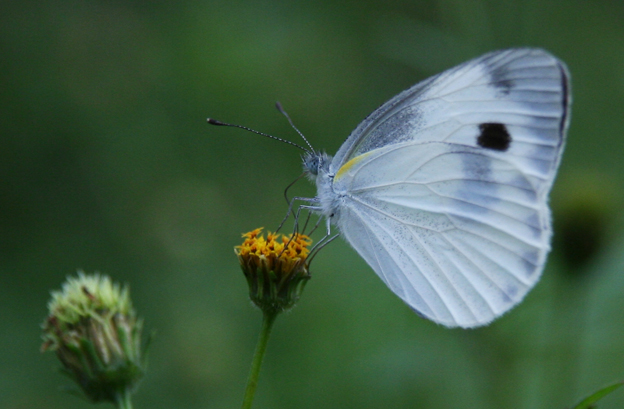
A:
x,y
444,188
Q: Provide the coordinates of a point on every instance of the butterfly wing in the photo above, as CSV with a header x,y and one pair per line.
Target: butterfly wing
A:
x,y
443,189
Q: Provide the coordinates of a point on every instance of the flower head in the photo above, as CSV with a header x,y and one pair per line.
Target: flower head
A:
x,y
95,333
276,268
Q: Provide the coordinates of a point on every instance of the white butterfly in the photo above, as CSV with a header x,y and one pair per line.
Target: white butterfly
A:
x,y
443,189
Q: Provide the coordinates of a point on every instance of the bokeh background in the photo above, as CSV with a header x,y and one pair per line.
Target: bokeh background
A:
x,y
107,164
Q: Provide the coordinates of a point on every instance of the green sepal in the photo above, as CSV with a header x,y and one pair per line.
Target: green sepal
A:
x,y
72,390
96,362
126,342
146,348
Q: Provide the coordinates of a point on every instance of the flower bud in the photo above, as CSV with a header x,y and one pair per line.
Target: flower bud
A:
x,y
96,335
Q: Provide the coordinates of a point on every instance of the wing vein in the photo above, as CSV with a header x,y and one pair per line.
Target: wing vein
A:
x,y
449,215
415,263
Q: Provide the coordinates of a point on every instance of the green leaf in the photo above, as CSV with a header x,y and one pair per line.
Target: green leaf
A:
x,y
589,401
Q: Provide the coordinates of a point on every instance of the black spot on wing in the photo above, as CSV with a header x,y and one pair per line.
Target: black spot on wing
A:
x,y
500,79
494,136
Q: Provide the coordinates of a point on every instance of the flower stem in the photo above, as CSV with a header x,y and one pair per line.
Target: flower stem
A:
x,y
268,319
124,400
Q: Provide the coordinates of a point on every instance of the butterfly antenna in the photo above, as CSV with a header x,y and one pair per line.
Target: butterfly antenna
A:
x,y
219,123
281,109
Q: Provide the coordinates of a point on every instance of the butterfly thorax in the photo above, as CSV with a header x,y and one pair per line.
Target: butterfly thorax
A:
x,y
316,165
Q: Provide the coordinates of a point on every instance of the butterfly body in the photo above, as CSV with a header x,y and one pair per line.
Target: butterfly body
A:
x,y
443,189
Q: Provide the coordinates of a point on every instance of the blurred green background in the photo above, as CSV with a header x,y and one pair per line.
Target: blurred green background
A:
x,y
107,164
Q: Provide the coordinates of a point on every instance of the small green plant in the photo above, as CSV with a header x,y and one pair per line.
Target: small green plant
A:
x,y
590,401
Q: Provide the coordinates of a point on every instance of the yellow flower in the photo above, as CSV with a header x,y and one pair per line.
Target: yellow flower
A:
x,y
276,268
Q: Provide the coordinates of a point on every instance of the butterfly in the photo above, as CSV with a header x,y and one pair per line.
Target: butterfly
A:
x,y
443,190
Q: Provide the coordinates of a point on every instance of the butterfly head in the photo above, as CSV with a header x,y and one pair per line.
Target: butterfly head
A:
x,y
314,162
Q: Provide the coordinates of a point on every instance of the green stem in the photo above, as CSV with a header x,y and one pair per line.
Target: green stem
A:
x,y
124,400
252,382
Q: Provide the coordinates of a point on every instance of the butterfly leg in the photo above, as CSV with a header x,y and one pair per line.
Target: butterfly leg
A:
x,y
290,209
328,238
296,225
312,209
325,240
